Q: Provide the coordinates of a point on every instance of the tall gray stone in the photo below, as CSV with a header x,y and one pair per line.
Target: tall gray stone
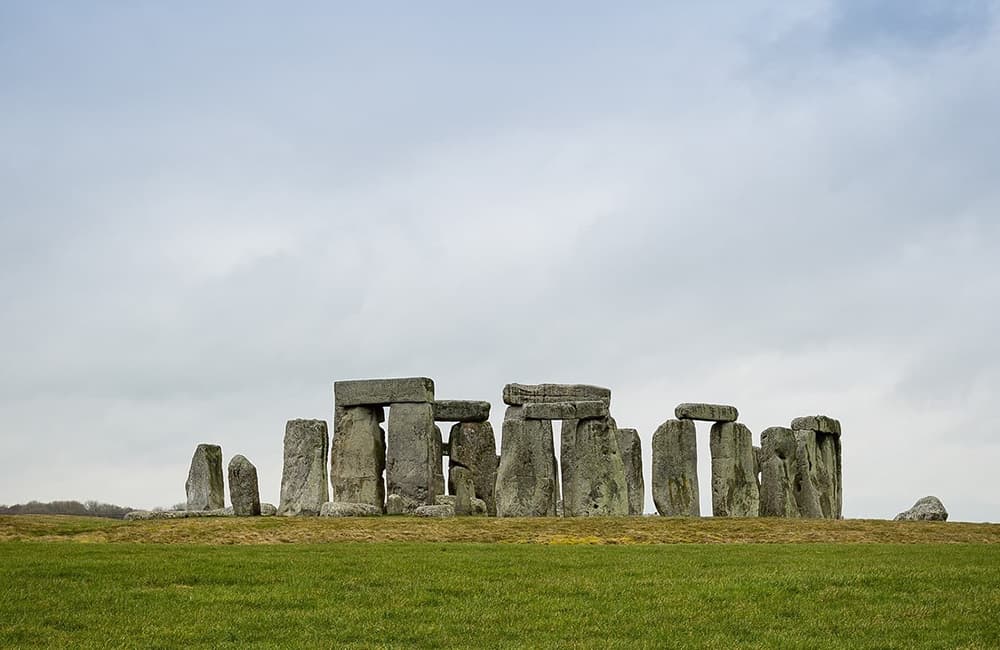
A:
x,y
411,453
630,447
809,480
383,392
438,469
526,479
204,486
244,492
706,412
521,394
735,492
465,490
593,473
357,456
675,469
304,487
778,468
461,411
821,434
473,445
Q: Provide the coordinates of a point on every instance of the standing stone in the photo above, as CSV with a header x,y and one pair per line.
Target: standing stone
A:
x,y
439,484
593,478
204,487
244,492
526,479
304,487
828,475
357,456
675,469
465,491
777,473
735,492
630,448
411,454
473,445
808,482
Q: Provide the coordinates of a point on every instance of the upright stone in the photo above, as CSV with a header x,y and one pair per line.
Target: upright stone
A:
x,y
593,478
808,476
735,492
521,394
473,445
304,487
383,392
357,456
438,469
630,448
526,479
777,473
411,453
675,469
827,476
465,491
204,487
244,492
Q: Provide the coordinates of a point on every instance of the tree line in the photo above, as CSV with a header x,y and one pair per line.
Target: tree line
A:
x,y
85,509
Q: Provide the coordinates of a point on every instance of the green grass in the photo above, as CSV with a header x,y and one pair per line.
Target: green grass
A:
x,y
433,594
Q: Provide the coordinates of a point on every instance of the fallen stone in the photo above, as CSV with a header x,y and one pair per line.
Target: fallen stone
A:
x,y
340,509
473,445
706,412
357,456
478,505
461,411
817,423
565,410
397,505
139,515
926,509
675,469
244,492
304,487
630,448
435,511
383,392
521,394
778,467
735,491
268,510
204,487
412,451
526,479
593,473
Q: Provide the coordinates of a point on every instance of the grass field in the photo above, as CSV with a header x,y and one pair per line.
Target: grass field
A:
x,y
565,583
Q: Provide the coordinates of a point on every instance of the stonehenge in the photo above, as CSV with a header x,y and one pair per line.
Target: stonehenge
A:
x,y
630,448
593,473
472,445
675,469
735,491
204,487
304,487
244,492
526,478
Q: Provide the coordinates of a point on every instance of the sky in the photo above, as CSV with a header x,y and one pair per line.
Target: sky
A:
x,y
209,212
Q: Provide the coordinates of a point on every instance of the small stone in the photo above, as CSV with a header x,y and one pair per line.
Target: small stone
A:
x,y
521,394
675,469
383,392
205,488
435,511
817,423
565,410
243,490
396,505
304,486
465,492
706,412
461,411
341,509
268,510
926,509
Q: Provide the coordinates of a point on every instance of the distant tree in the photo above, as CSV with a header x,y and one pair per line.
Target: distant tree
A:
x,y
88,509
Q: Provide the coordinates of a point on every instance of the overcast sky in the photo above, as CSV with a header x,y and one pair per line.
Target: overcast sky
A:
x,y
208,213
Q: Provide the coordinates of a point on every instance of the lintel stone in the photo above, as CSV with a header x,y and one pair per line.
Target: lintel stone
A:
x,y
817,423
461,411
383,392
565,410
521,394
706,412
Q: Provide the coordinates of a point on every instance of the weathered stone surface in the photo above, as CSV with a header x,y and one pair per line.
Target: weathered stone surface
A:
x,y
706,412
630,447
438,468
478,505
778,468
465,491
341,509
268,510
526,479
244,492
809,476
926,509
675,469
593,473
396,505
817,423
756,460
304,487
139,515
412,450
204,487
565,410
461,411
383,392
473,445
357,456
435,511
735,492
521,394
828,446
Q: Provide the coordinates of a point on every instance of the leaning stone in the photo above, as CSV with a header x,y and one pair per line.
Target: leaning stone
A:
x,y
204,487
675,469
340,509
461,411
521,394
706,412
383,392
735,491
473,445
818,423
593,473
630,448
357,456
465,491
412,451
304,487
565,410
397,505
435,511
268,510
244,493
526,479
778,467
926,509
